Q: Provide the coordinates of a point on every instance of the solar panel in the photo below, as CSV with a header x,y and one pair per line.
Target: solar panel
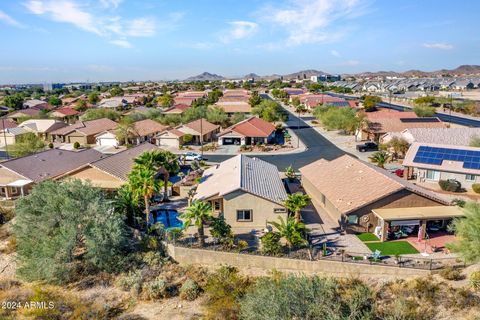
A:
x,y
433,155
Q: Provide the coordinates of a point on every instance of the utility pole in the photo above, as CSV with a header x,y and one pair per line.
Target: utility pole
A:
x,y
201,136
5,137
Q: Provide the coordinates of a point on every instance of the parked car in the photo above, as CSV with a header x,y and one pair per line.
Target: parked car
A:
x,y
367,146
191,156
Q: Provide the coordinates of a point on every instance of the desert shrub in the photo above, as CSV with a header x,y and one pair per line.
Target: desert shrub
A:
x,y
271,243
450,273
220,229
50,145
156,289
153,259
76,145
187,138
132,281
189,290
223,291
242,245
475,280
446,185
302,297
6,214
476,187
174,233
11,245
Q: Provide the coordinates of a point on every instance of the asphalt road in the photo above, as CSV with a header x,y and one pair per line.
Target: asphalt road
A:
x,y
318,147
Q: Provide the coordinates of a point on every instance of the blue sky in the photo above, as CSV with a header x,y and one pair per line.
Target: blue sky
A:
x,y
80,40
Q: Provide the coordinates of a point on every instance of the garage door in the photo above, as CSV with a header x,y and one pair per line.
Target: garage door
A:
x,y
107,142
229,141
168,142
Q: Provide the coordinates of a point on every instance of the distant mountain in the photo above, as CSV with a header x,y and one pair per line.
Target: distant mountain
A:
x,y
251,76
464,70
304,74
205,76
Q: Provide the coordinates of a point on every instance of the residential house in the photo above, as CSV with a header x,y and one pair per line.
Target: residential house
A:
x,y
24,113
7,123
113,103
233,107
350,191
9,136
251,131
83,132
247,192
109,173
177,109
35,103
142,131
17,176
383,121
188,97
429,163
450,136
200,131
42,127
66,114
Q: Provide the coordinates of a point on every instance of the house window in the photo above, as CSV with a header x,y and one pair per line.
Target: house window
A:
x,y
470,177
433,175
352,219
3,190
244,215
216,205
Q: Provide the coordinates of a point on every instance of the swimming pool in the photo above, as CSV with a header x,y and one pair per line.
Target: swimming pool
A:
x,y
167,217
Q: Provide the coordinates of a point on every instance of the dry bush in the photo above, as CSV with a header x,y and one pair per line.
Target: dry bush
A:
x,y
450,273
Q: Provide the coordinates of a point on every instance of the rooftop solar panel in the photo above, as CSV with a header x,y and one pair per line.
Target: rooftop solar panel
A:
x,y
433,155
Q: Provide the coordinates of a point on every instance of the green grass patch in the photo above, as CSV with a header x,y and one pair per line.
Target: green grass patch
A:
x,y
367,237
392,248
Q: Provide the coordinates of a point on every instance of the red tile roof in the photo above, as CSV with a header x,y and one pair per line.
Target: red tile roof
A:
x,y
252,127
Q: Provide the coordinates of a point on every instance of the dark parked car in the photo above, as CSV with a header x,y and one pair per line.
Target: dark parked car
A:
x,y
367,146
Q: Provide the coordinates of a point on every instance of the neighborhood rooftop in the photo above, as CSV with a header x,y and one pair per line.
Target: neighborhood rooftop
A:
x,y
251,175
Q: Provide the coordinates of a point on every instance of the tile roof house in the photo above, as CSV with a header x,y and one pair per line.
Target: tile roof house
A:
x,y
177,109
7,123
17,176
24,113
110,172
247,132
347,189
428,163
64,113
42,127
83,132
197,128
143,130
232,107
381,122
247,192
9,136
450,136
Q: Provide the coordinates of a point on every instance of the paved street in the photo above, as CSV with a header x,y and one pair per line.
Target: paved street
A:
x,y
317,147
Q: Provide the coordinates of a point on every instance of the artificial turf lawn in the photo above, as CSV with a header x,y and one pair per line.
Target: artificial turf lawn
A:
x,y
392,248
367,237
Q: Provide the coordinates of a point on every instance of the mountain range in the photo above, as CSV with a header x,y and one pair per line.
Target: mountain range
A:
x,y
463,70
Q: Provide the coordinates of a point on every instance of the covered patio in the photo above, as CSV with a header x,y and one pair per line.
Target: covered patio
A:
x,y
415,222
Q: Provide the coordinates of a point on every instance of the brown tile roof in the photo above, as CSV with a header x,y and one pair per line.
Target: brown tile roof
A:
x,y
51,163
147,127
24,113
350,184
87,127
120,164
233,107
66,111
252,127
383,125
7,123
202,126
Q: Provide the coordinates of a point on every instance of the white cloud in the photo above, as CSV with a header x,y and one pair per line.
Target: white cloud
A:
x,y
142,27
307,21
9,20
438,45
110,3
335,53
239,30
121,43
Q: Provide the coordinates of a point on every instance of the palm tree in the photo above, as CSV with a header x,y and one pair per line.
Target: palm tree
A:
x,y
296,202
380,158
199,212
293,232
159,160
143,184
125,130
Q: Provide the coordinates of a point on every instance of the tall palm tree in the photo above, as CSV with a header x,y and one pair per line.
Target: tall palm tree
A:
x,y
199,212
293,232
159,160
380,158
143,184
296,202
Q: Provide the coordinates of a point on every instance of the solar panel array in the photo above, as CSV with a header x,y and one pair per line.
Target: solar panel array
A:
x,y
433,155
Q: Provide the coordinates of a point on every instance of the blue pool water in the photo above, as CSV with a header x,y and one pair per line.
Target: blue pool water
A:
x,y
167,217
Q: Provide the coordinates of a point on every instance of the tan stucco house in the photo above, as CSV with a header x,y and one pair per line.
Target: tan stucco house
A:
x,y
246,192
